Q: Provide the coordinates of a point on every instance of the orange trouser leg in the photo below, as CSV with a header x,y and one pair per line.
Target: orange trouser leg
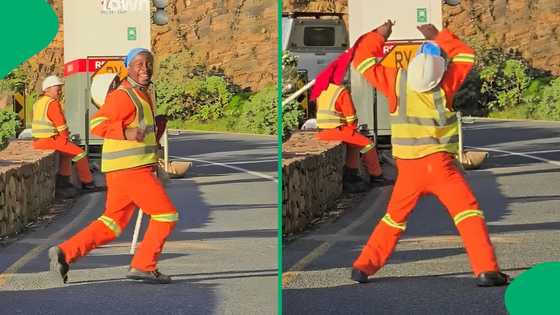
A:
x,y
371,160
127,190
65,165
67,150
118,211
351,137
153,200
352,156
386,234
455,194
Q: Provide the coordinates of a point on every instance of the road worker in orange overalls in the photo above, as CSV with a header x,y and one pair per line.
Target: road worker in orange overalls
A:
x,y
126,122
336,117
50,132
425,138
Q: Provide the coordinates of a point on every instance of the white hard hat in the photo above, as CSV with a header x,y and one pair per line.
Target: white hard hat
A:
x,y
100,86
425,72
51,80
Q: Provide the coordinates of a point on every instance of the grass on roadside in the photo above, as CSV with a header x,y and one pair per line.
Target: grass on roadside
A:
x,y
222,125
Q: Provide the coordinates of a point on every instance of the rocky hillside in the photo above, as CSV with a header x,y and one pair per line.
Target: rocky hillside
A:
x,y
531,27
239,37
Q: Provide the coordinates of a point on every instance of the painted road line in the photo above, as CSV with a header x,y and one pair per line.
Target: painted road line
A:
x,y
7,274
557,163
257,174
245,162
299,266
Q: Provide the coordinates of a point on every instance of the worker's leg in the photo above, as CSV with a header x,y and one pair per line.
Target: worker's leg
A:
x,y
454,192
151,197
65,165
367,149
118,211
67,150
352,157
79,157
351,137
65,161
383,240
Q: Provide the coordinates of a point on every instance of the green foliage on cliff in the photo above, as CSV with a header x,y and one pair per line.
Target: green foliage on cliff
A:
x,y
195,97
504,85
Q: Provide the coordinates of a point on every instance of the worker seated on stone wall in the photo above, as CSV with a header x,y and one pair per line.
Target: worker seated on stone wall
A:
x,y
336,117
50,132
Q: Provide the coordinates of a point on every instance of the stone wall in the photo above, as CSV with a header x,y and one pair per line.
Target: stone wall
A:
x,y
27,183
311,179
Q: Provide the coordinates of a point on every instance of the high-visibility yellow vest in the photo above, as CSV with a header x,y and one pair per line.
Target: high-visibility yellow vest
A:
x,y
123,154
41,126
327,115
422,124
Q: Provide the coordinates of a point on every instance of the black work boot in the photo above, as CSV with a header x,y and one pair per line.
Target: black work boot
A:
x,y
352,182
492,279
63,182
359,276
154,277
380,180
91,187
58,265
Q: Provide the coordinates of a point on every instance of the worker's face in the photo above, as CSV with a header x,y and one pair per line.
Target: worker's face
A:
x,y
141,68
54,92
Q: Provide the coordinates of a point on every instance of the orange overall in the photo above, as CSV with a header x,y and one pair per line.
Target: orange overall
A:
x,y
347,133
434,173
59,142
127,188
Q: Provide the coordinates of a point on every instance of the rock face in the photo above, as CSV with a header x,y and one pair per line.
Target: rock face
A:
x,y
311,179
27,185
528,26
239,37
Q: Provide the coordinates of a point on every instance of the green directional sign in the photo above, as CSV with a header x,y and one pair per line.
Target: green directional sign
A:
x,y
132,34
421,15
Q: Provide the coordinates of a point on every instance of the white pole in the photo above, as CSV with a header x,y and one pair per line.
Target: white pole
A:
x,y
460,124
298,93
165,151
136,232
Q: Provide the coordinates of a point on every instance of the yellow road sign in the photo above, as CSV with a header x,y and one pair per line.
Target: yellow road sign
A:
x,y
399,55
112,66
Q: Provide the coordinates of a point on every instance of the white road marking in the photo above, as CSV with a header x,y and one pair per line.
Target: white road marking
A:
x,y
557,163
32,254
292,273
257,174
246,162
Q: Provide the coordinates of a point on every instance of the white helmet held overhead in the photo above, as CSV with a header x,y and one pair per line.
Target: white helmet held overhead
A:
x,y
426,69
50,81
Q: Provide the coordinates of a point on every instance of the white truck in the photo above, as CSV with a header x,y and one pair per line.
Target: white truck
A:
x,y
314,38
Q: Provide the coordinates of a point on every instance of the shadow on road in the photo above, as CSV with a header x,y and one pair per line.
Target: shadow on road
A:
x,y
114,297
397,295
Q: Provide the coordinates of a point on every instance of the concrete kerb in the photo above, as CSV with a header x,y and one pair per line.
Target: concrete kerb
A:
x,y
221,132
475,118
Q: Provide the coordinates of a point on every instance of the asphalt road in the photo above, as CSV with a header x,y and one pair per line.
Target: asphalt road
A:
x,y
429,273
222,254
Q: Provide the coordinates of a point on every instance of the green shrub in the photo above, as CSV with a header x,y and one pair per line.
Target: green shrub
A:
x,y
499,82
207,97
293,112
548,106
260,113
9,124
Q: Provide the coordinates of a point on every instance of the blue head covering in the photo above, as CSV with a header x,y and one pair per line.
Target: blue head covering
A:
x,y
429,48
133,53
